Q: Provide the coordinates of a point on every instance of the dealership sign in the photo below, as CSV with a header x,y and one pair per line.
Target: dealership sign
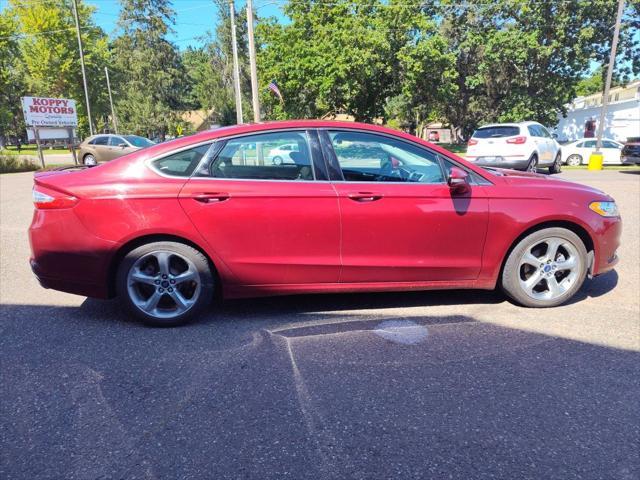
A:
x,y
49,112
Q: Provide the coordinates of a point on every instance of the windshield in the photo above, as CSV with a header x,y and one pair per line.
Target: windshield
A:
x,y
138,141
497,132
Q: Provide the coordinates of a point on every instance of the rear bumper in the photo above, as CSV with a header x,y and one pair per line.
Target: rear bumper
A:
x,y
67,257
519,163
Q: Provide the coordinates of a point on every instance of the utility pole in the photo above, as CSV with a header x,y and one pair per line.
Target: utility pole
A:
x,y
113,110
252,62
607,85
236,68
84,75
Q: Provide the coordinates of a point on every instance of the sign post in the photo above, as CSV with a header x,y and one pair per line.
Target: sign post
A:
x,y
55,116
40,155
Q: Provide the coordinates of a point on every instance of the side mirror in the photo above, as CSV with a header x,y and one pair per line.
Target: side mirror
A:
x,y
458,180
122,145
554,135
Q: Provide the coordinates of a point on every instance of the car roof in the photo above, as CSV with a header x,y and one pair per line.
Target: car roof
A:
x,y
509,124
249,128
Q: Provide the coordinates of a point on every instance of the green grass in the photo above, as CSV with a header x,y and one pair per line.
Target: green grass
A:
x,y
457,148
604,167
32,150
13,164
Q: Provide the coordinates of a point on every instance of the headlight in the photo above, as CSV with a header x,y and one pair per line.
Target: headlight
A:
x,y
606,209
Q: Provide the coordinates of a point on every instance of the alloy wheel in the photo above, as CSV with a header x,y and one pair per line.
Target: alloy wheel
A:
x,y
574,160
533,165
549,268
90,160
163,284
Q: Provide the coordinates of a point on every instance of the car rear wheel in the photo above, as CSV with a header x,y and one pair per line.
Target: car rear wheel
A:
x,y
546,268
89,160
557,165
165,283
533,164
574,160
277,160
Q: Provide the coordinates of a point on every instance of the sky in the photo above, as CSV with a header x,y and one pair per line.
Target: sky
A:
x,y
193,17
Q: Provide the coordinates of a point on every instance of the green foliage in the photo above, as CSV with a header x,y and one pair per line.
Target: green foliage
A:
x,y
210,69
338,57
149,78
11,83
13,164
49,60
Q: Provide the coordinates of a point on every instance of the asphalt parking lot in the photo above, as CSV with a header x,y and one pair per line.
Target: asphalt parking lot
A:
x,y
355,386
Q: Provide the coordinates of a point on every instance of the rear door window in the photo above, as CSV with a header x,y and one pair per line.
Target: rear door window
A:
x,y
499,131
259,157
116,141
100,140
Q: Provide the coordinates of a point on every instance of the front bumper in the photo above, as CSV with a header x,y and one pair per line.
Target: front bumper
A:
x,y
606,244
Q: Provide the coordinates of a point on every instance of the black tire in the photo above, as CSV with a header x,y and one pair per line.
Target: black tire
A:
x,y
199,261
557,165
533,164
510,280
89,160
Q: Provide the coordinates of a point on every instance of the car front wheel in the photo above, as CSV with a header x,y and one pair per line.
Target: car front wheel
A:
x,y
557,165
165,283
546,268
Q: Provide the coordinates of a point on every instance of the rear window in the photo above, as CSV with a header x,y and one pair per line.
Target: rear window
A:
x,y
496,132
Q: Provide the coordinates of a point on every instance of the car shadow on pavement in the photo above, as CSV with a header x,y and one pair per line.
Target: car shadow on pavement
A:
x,y
631,172
341,395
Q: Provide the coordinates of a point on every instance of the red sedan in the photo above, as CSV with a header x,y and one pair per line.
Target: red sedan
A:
x,y
359,208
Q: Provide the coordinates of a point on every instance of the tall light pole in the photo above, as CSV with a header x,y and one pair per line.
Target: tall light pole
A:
x,y
607,85
84,74
113,110
255,100
236,68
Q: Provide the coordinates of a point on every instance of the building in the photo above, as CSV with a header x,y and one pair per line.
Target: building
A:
x,y
621,122
200,120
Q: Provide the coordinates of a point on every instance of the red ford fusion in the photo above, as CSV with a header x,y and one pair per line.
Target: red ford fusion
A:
x,y
355,208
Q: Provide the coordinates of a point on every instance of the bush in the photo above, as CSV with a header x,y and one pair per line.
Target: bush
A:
x,y
12,164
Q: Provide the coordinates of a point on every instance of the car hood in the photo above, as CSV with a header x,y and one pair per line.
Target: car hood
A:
x,y
547,184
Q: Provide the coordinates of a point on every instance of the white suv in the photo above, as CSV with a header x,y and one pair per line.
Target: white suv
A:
x,y
521,146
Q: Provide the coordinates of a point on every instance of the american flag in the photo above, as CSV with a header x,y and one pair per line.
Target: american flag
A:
x,y
273,86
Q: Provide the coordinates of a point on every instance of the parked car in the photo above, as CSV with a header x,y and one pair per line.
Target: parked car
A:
x,y
373,209
105,147
520,146
282,154
630,154
578,152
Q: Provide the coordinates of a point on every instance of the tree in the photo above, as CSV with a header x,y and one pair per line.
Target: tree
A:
x,y
210,69
11,84
333,57
149,77
49,58
521,60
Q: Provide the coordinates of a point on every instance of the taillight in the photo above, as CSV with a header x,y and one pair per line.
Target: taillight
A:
x,y
46,198
517,140
472,142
